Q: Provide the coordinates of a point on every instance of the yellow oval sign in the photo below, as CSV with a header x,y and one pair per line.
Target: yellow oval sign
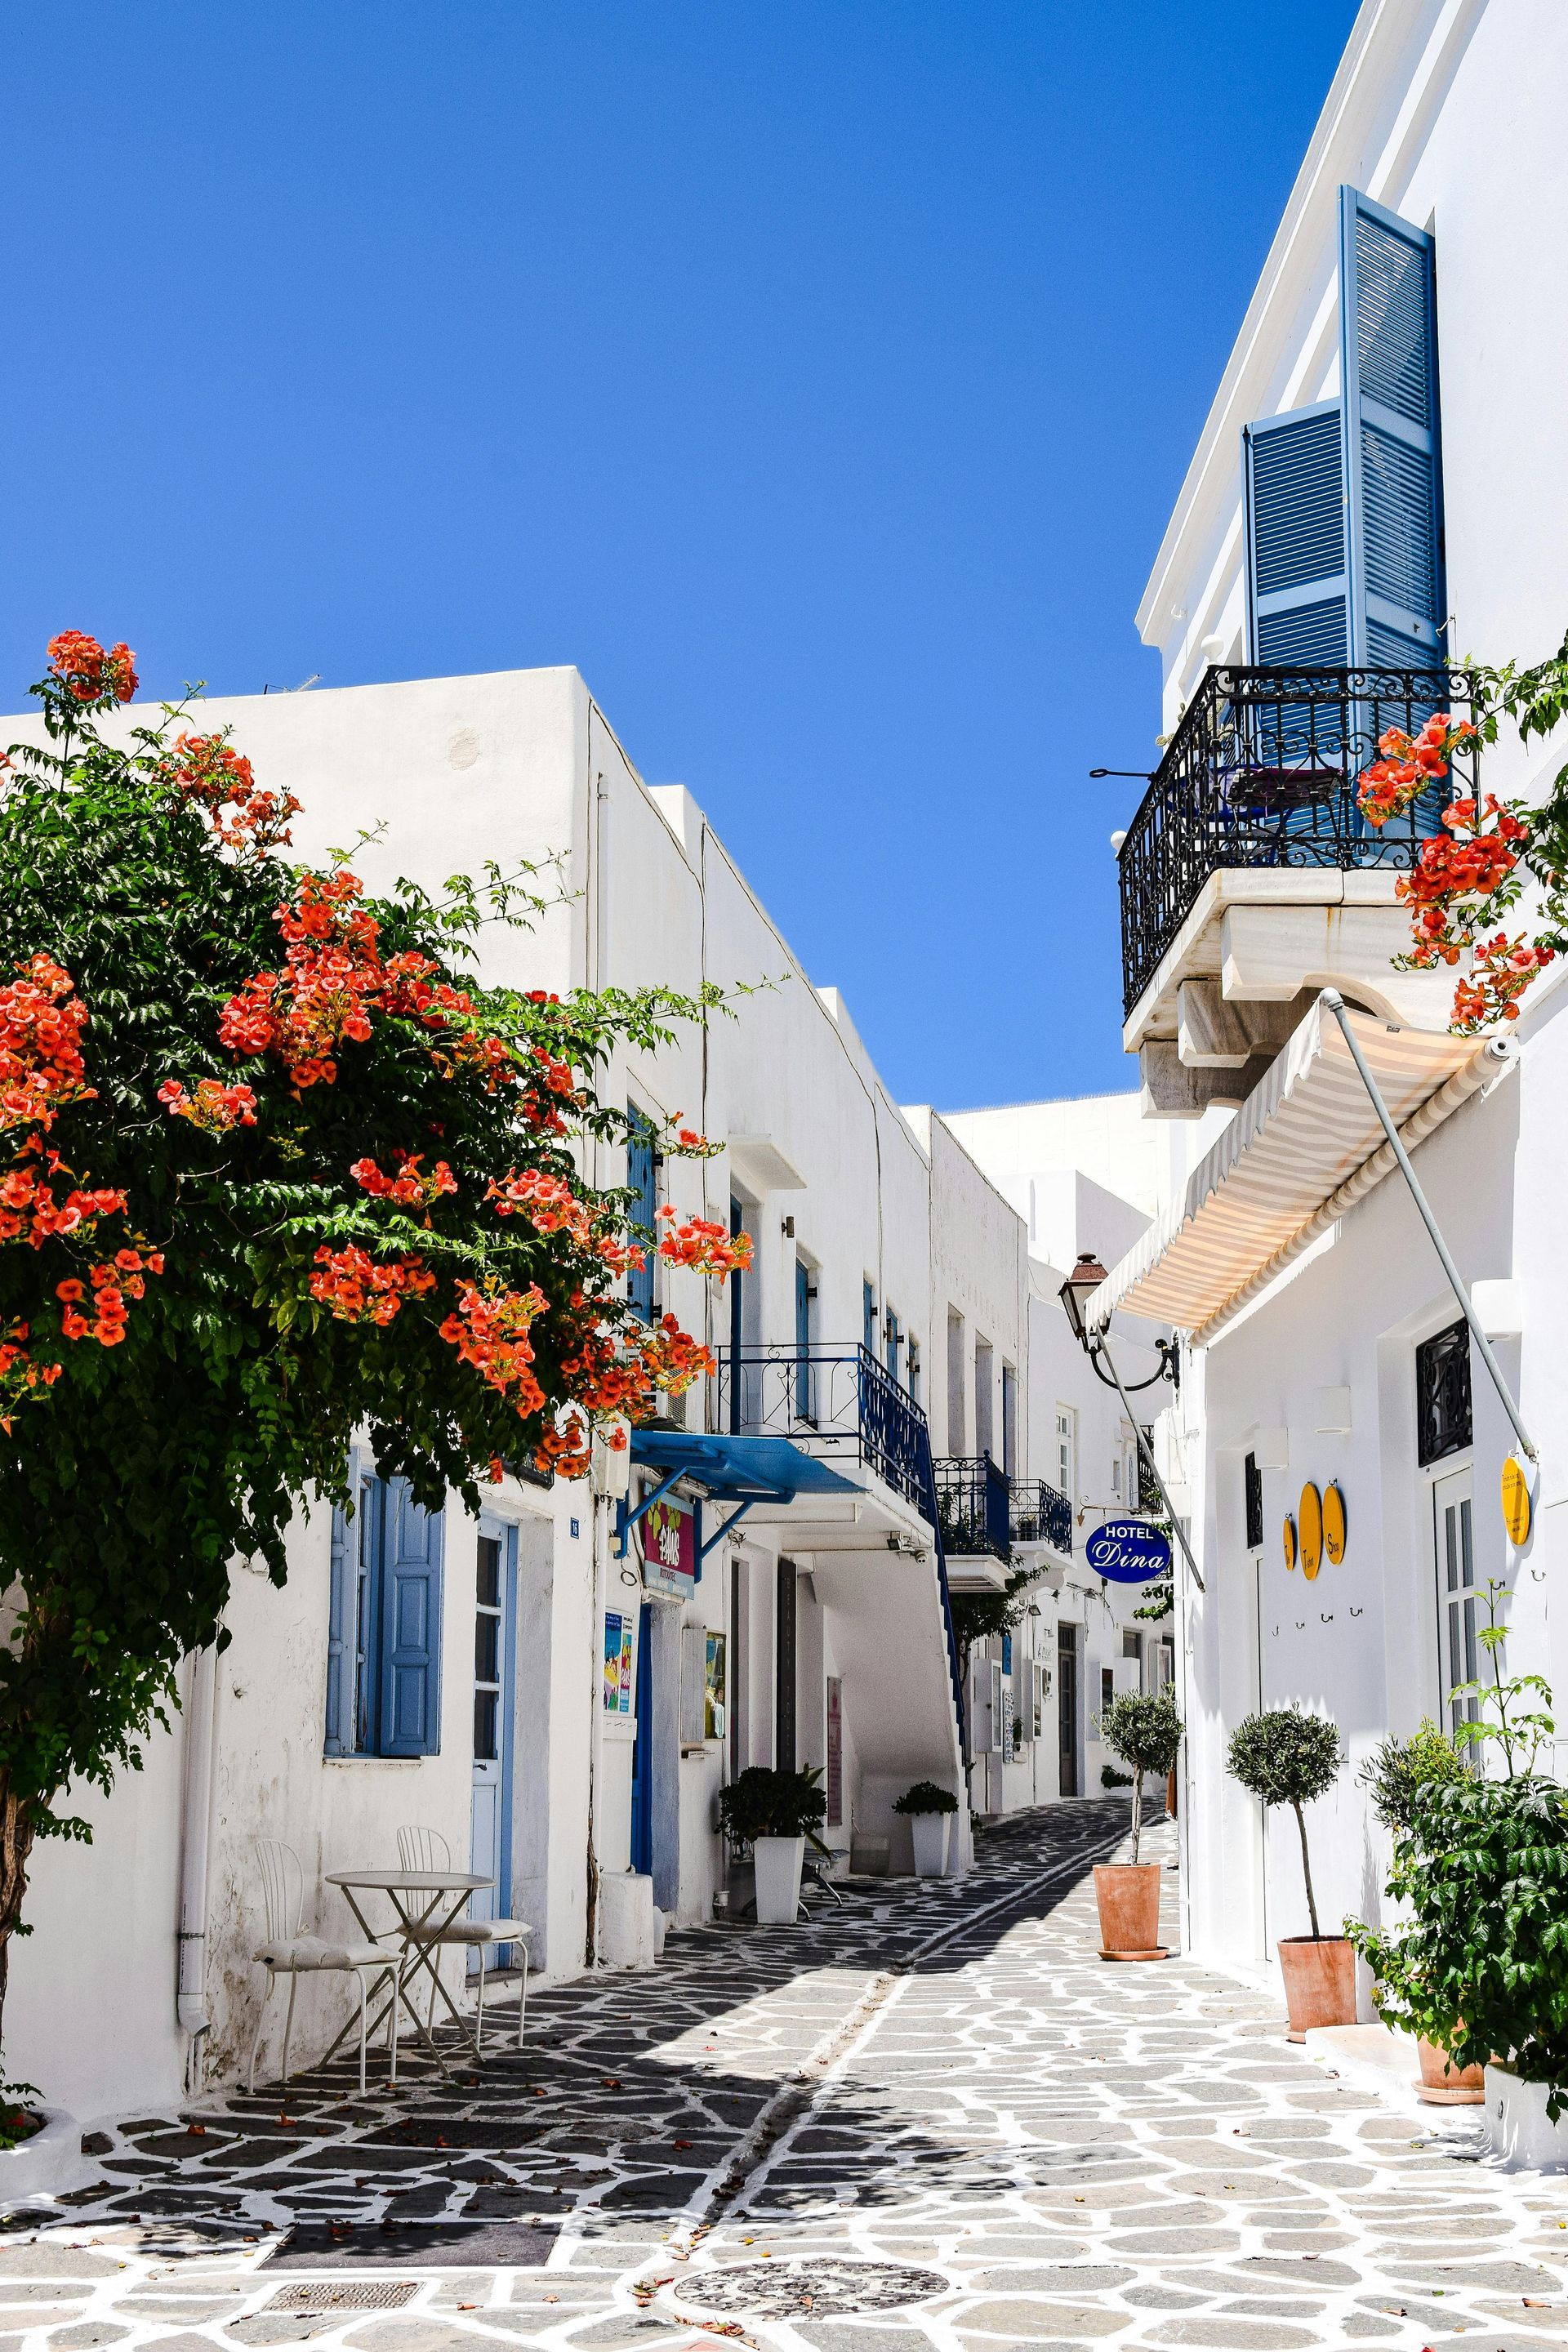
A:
x,y
1289,1540
1515,1501
1309,1515
1334,1527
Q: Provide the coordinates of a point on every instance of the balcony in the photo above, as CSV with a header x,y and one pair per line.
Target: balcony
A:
x,y
1249,879
1040,1515
838,1403
974,1504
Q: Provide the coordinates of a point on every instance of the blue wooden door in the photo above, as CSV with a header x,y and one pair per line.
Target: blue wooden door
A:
x,y
642,1753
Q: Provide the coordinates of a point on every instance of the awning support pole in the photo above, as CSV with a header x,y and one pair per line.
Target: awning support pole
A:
x,y
628,1519
1101,1346
730,1524
1336,1004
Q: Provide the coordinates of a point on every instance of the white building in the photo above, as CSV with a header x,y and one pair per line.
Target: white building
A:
x,y
1378,484
585,1692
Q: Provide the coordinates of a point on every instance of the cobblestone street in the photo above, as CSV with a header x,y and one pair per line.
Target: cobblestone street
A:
x,y
933,2117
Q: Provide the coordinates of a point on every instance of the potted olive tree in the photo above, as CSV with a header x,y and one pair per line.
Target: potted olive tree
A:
x,y
777,1814
930,1812
1400,1776
1288,1757
1145,1729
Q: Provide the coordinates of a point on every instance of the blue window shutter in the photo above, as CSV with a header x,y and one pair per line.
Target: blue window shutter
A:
x,y
410,1626
640,1181
869,1311
1388,369
341,1601
1296,577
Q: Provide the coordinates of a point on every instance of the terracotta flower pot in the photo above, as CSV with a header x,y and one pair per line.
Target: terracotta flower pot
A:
x,y
1442,2085
1319,1983
1128,1894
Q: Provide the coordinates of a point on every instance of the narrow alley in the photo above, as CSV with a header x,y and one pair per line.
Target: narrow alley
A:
x,y
932,2116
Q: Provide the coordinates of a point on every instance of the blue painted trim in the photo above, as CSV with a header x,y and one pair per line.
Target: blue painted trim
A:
x,y
642,1753
718,1536
1353,207
507,1739
627,1520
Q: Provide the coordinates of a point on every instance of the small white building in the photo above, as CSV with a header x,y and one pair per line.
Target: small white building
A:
x,y
1377,492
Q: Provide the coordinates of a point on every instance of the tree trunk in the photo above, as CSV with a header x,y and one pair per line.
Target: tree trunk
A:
x,y
17,1820
1137,1809
1307,1870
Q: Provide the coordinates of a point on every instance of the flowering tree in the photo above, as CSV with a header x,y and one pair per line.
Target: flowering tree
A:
x,y
1468,881
272,1168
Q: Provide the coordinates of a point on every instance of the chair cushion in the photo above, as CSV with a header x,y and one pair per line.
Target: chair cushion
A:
x,y
474,1931
294,1954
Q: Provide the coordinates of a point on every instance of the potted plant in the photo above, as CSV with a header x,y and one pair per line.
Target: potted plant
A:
x,y
777,1814
1398,1776
1288,1757
1145,1729
930,1812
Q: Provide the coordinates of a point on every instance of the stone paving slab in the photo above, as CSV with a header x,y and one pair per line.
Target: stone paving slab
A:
x,y
937,2079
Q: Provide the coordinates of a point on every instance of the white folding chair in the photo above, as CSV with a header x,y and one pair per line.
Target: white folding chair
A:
x,y
289,1951
424,1849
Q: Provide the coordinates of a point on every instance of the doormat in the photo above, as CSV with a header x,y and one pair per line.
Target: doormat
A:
x,y
344,2294
821,2290
413,2245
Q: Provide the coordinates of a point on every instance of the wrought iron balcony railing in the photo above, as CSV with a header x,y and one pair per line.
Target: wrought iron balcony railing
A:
x,y
839,1403
973,1505
1262,771
1041,1514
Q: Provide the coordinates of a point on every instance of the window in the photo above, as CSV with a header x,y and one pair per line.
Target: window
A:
x,y
868,1317
912,1363
984,1404
384,1633
1065,1452
1443,1423
805,1294
1107,1686
642,1182
487,1651
737,1312
957,1419
1009,1419
894,1338
1252,1483
1457,1594
1132,1645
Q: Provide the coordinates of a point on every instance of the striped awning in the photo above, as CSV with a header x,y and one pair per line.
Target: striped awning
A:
x,y
1305,1145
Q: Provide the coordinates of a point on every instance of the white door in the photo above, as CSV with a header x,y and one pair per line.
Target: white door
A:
x,y
1458,1600
487,1846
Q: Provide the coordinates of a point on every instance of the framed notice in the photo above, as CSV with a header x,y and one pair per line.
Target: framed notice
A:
x,y
715,1687
669,1550
618,1640
834,1774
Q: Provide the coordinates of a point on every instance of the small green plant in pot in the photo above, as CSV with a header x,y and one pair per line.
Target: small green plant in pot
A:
x,y
928,1810
1401,1775
777,1815
1289,1757
1144,1729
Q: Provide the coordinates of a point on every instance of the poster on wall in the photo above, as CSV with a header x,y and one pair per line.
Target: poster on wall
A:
x,y
617,1663
714,1688
835,1775
669,1550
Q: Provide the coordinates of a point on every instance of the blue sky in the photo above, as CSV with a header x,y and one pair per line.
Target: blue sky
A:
x,y
819,378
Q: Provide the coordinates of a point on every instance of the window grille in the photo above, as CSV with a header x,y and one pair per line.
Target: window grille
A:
x,y
1443,1414
1254,1477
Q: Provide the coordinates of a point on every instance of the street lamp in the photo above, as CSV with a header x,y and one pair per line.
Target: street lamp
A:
x,y
1075,1293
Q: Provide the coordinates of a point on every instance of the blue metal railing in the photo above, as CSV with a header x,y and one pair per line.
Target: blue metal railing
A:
x,y
1041,1514
975,1501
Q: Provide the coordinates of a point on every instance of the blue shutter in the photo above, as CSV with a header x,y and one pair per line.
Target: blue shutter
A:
x,y
869,1313
410,1626
343,1599
1296,577
640,1182
1388,370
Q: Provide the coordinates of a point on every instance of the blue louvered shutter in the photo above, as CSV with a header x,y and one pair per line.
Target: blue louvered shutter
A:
x,y
410,1626
1388,360
1298,585
341,1606
641,1182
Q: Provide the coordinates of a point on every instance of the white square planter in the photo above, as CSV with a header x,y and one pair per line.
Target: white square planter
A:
x,y
778,1864
1517,2125
929,1835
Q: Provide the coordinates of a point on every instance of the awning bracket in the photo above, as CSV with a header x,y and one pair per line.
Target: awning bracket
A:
x,y
719,1535
1336,1004
628,1519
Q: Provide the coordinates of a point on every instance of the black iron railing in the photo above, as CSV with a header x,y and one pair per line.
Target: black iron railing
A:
x,y
839,1403
1262,771
1040,1515
973,1507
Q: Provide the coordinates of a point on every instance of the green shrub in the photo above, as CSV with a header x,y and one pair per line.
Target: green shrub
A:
x,y
1398,1772
1288,1756
925,1796
1145,1729
764,1802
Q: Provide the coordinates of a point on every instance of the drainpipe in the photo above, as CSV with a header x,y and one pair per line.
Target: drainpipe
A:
x,y
195,1825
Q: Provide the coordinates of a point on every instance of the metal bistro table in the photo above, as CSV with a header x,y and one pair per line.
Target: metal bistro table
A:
x,y
426,1901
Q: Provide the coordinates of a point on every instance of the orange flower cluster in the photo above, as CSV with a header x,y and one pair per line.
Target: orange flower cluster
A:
x,y
489,1330
30,1211
20,1375
359,1291
1466,861
112,1286
41,1067
409,1189
692,1146
214,1106
705,1246
208,770
547,1201
1410,765
1501,970
87,673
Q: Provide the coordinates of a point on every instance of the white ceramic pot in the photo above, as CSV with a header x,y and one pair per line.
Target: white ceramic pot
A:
x,y
778,1862
1518,2125
50,2160
929,1835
